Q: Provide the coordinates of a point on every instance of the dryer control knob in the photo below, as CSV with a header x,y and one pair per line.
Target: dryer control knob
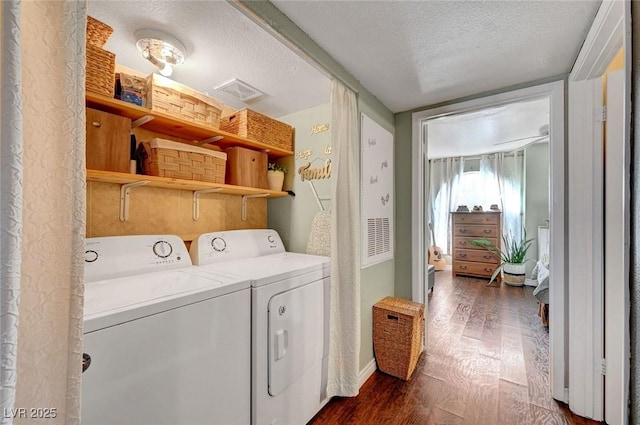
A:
x,y
271,239
162,249
90,256
218,244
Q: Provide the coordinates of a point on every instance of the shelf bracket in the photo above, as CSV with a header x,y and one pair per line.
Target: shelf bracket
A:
x,y
244,203
210,140
141,121
196,200
125,191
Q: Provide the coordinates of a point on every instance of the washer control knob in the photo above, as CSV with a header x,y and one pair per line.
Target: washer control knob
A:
x,y
162,249
271,239
90,256
219,244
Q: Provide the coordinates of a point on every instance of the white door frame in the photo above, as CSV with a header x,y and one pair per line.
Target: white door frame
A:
x,y
555,93
611,30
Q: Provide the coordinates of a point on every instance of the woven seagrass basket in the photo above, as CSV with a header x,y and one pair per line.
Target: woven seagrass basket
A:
x,y
97,32
101,66
252,125
165,158
170,97
398,327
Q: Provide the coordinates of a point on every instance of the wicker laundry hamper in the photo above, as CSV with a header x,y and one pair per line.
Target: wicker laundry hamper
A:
x,y
398,327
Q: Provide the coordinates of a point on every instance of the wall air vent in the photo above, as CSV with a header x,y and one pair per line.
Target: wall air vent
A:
x,y
239,89
378,237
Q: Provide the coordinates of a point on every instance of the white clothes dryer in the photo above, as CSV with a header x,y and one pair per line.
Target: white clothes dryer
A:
x,y
289,321
164,342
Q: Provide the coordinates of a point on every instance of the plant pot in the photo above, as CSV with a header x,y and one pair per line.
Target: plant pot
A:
x,y
275,179
513,273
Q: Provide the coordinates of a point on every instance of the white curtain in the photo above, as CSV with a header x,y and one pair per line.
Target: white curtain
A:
x,y
42,207
444,180
344,346
504,172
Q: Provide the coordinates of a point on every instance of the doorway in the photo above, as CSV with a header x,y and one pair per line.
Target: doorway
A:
x,y
554,92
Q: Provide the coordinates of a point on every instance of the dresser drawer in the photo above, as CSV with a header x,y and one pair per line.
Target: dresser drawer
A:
x,y
476,218
475,231
476,255
461,242
473,269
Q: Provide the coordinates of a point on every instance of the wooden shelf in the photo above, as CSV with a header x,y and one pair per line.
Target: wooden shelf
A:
x,y
227,189
167,124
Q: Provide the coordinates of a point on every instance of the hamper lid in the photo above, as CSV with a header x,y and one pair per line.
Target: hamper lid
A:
x,y
400,306
170,144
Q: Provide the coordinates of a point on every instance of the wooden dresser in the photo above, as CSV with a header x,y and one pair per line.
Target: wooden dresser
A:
x,y
470,260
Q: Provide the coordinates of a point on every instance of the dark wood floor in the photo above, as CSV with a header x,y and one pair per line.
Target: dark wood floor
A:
x,y
486,362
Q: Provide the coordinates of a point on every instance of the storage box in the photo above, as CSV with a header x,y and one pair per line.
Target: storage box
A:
x,y
108,141
252,125
431,277
166,158
130,88
246,167
180,101
398,327
100,70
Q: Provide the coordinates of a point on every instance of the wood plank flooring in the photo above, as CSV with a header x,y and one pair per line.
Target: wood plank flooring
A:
x,y
486,363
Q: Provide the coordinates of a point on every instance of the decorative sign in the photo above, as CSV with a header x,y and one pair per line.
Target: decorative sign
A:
x,y
304,154
328,149
376,145
319,128
308,173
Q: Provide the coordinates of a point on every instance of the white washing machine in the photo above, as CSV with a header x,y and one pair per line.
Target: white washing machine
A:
x,y
290,320
164,342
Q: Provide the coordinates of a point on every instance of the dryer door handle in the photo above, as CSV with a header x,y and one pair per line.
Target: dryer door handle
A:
x,y
282,343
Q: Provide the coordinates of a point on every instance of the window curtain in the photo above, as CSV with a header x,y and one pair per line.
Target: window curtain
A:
x,y
344,345
42,207
444,179
504,171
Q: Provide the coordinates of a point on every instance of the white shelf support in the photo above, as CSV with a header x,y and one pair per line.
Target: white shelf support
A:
x,y
141,121
196,200
125,191
244,203
210,140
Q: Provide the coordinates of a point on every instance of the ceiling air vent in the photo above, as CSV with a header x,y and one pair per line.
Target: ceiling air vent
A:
x,y
239,89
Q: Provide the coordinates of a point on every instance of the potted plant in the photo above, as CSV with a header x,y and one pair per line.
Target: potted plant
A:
x,y
512,257
275,176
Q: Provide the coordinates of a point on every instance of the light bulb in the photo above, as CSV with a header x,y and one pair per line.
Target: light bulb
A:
x,y
166,70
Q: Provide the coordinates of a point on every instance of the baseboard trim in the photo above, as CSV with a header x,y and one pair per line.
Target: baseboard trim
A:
x,y
368,370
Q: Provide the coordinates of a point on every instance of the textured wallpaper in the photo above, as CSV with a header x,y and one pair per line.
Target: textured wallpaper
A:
x,y
50,321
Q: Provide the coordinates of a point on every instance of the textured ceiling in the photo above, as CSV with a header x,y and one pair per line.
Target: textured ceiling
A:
x,y
408,53
222,44
415,53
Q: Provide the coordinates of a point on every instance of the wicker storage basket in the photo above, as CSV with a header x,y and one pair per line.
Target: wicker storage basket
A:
x,y
166,158
100,71
97,32
252,125
398,327
165,95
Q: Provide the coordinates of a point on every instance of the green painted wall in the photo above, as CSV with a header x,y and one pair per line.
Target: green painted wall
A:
x,y
292,216
403,236
377,281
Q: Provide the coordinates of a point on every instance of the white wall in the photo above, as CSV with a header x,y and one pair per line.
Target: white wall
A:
x,y
536,201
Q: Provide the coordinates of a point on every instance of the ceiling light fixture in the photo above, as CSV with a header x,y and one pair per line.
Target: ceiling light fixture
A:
x,y
161,49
